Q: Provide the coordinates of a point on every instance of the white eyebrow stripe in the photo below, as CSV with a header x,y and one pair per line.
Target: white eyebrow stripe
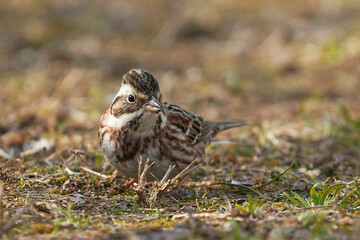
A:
x,y
124,90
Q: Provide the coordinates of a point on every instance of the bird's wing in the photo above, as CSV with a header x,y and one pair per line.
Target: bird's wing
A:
x,y
194,128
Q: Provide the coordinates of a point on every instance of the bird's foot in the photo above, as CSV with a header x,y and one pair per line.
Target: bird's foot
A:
x,y
130,183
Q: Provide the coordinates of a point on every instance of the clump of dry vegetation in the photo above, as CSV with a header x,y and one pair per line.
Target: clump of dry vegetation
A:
x,y
150,194
290,69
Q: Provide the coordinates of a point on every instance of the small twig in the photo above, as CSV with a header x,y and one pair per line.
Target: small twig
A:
x,y
189,168
148,196
70,172
63,187
166,176
139,168
68,160
214,215
140,190
174,199
146,167
154,176
94,172
229,203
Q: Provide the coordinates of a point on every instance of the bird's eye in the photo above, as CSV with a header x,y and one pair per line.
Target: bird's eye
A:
x,y
131,98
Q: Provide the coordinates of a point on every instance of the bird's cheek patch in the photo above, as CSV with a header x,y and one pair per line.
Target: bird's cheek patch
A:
x,y
117,107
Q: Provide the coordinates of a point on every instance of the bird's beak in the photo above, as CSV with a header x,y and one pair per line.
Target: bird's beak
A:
x,y
154,105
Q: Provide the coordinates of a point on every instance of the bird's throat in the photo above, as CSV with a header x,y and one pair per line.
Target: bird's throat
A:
x,y
147,123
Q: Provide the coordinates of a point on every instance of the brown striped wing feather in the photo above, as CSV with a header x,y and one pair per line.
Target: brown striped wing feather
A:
x,y
193,126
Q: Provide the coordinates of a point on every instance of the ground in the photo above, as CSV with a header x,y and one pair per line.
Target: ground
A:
x,y
289,69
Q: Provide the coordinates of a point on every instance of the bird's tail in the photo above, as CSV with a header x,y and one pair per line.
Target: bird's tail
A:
x,y
226,125
221,126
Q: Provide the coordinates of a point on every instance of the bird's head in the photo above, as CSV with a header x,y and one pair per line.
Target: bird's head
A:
x,y
138,102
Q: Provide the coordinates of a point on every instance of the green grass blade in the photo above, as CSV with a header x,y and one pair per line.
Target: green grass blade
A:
x,y
314,196
293,200
321,185
262,201
251,204
242,209
303,201
328,190
320,201
276,178
344,200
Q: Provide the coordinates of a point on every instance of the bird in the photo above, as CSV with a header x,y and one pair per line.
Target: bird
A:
x,y
138,125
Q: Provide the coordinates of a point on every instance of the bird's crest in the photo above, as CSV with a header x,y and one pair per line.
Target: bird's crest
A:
x,y
141,81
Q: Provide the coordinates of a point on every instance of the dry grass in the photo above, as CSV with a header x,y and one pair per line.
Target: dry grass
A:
x,y
151,194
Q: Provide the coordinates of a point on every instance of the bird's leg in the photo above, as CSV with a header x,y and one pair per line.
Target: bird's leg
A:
x,y
131,182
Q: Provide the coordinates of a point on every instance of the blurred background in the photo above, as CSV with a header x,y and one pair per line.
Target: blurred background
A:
x,y
287,66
